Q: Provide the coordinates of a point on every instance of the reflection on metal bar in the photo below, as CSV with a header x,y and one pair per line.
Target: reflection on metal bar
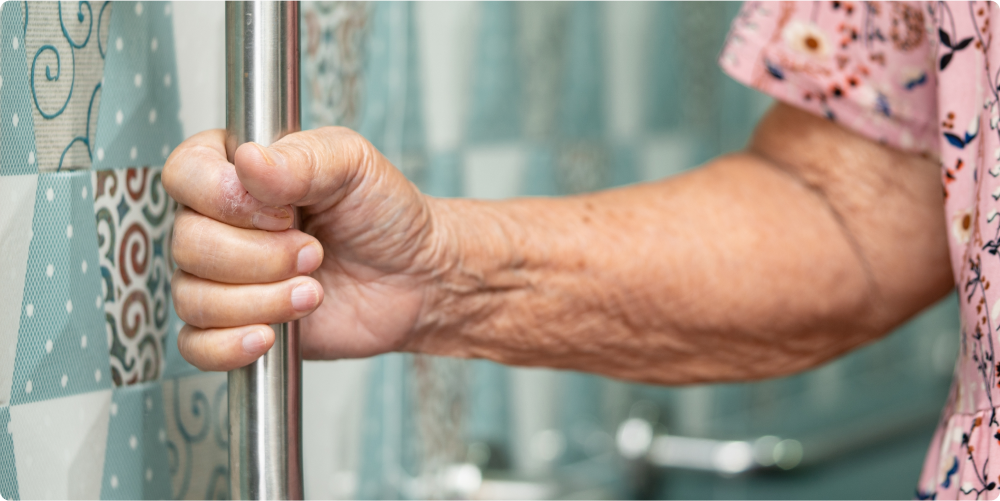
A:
x,y
262,104
635,440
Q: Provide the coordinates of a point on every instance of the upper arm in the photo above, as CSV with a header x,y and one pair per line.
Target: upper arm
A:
x,y
888,204
857,103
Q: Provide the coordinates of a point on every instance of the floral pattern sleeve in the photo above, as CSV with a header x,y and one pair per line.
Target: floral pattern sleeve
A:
x,y
922,77
868,66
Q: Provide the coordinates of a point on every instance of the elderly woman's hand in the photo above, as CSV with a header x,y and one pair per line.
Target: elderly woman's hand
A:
x,y
359,266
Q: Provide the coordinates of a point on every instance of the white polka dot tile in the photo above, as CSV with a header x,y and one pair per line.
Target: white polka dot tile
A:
x,y
136,461
145,113
64,237
17,134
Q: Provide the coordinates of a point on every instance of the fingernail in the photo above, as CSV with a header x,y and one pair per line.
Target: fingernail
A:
x,y
271,158
304,297
271,219
253,342
309,258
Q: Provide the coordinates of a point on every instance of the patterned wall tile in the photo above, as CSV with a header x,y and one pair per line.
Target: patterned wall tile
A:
x,y
198,435
391,111
85,291
134,219
59,446
17,130
65,65
136,464
17,210
138,123
61,344
8,470
335,93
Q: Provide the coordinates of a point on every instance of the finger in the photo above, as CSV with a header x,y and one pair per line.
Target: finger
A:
x,y
306,168
198,175
207,304
224,349
216,251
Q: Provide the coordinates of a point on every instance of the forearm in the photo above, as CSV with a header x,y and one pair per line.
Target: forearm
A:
x,y
758,264
741,269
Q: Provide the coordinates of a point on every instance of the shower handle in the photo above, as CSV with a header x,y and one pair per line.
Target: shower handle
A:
x,y
262,105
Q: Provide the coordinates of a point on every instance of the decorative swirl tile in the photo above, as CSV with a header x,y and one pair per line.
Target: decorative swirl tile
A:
x,y
335,82
134,219
65,68
197,435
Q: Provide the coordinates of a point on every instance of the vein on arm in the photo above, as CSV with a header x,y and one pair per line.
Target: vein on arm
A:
x,y
812,241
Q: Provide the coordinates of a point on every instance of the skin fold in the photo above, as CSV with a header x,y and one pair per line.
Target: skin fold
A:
x,y
810,242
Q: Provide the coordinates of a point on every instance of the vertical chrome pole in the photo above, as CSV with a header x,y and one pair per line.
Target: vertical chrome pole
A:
x,y
262,105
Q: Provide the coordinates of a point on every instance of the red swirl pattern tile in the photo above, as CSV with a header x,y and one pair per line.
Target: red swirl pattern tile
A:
x,y
134,220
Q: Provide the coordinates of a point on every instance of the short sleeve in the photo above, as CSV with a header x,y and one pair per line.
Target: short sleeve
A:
x,y
866,65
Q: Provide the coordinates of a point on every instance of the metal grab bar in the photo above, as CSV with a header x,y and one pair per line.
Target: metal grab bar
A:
x,y
262,105
636,440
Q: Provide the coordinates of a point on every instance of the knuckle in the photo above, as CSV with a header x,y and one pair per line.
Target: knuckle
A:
x,y
179,151
191,345
171,176
362,154
349,151
347,135
178,287
168,178
187,307
184,340
184,154
350,141
188,235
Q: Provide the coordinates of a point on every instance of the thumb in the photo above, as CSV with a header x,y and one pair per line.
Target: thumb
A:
x,y
306,168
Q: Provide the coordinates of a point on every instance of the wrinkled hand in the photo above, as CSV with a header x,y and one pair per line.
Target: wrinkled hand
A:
x,y
359,267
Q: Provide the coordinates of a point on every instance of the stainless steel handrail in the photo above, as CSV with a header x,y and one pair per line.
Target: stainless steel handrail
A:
x,y
262,105
636,440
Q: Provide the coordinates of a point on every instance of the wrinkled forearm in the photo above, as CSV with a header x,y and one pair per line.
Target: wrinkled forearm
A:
x,y
742,269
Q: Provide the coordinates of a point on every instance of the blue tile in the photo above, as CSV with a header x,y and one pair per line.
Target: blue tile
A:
x,y
62,344
136,465
17,135
138,124
8,470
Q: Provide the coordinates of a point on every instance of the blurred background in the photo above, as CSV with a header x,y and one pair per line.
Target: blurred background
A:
x,y
495,100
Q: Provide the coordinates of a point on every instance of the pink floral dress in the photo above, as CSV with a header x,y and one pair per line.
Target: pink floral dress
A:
x,y
922,77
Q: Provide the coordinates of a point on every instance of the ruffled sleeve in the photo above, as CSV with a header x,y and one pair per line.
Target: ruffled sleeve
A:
x,y
867,66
